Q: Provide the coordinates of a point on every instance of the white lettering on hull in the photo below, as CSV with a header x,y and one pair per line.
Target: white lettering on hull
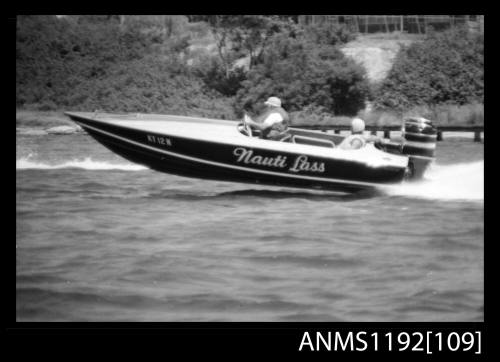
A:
x,y
300,164
159,140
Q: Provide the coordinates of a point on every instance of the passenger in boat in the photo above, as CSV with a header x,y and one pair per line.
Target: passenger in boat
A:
x,y
357,139
274,122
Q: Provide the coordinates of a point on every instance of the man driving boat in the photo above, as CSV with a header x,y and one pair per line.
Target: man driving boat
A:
x,y
357,139
274,122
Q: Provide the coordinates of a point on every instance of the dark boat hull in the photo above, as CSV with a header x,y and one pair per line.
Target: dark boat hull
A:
x,y
208,160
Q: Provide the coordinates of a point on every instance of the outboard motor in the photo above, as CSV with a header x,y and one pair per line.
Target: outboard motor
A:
x,y
420,137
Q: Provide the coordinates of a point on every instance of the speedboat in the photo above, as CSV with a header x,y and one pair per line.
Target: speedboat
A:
x,y
229,151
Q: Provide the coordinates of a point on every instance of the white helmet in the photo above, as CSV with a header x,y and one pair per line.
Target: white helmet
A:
x,y
357,125
273,101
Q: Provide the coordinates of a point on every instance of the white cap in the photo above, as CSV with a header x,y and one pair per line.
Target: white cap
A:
x,y
273,101
357,125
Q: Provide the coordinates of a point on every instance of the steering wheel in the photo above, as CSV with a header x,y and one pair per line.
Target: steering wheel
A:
x,y
245,127
379,144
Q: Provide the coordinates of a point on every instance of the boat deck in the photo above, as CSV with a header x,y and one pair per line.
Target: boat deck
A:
x,y
201,129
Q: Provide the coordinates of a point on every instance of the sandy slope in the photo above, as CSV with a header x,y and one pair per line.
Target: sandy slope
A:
x,y
376,52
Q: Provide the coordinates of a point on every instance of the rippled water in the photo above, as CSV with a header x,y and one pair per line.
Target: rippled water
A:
x,y
100,239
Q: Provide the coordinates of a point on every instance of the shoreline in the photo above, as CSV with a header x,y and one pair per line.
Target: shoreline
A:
x,y
48,119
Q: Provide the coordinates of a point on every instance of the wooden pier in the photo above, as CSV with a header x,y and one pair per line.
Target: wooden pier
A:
x,y
477,130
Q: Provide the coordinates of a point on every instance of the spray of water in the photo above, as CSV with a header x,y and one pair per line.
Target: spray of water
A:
x,y
463,181
87,163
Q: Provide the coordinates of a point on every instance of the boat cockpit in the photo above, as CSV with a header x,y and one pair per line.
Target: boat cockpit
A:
x,y
295,135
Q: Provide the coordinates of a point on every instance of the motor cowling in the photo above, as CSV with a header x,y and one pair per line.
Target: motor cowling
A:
x,y
420,137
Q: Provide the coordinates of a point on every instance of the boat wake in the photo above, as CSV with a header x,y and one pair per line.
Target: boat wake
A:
x,y
26,163
463,181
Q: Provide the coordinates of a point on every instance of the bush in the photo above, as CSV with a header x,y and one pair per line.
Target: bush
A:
x,y
302,75
446,68
150,85
138,64
55,55
93,63
210,70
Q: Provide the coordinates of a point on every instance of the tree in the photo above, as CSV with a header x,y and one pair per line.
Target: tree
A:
x,y
70,62
304,75
244,35
447,67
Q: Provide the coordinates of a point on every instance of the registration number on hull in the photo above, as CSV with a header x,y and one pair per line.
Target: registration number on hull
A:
x,y
159,140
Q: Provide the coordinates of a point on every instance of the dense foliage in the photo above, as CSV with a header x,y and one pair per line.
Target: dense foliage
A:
x,y
305,74
145,64
89,63
239,38
223,65
446,68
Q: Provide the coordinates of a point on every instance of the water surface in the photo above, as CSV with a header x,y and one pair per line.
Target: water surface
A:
x,y
101,239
